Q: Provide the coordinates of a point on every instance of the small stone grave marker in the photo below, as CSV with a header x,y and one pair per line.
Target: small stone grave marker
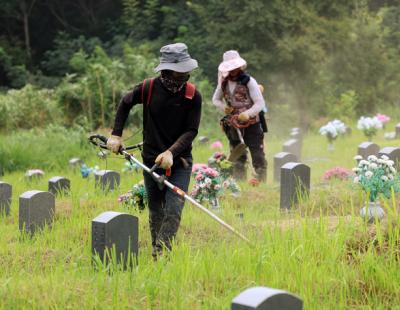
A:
x,y
295,182
119,230
393,153
34,174
398,131
265,298
294,147
366,149
203,139
295,133
279,160
36,209
75,162
107,179
5,198
59,185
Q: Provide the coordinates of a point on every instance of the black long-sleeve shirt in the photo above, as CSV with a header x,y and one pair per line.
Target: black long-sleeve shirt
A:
x,y
171,120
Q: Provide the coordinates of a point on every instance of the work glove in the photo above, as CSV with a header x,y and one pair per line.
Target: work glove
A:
x,y
165,160
228,110
114,143
243,117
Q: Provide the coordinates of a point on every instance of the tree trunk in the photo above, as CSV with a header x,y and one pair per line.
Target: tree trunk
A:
x,y
25,16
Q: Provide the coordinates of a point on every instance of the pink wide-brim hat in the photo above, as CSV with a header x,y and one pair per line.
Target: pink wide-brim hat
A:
x,y
231,60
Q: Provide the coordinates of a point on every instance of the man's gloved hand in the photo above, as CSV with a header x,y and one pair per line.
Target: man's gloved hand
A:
x,y
228,110
114,143
243,117
165,160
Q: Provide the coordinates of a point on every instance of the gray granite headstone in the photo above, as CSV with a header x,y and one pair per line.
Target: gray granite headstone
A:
x,y
295,133
33,174
5,198
295,182
279,160
389,135
294,147
102,154
366,149
36,209
393,153
59,185
107,179
75,162
398,131
203,139
265,298
114,229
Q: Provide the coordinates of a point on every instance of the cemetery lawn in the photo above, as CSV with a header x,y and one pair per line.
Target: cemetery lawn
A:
x,y
320,251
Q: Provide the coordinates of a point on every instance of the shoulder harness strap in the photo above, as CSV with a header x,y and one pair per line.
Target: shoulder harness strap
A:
x,y
147,85
190,90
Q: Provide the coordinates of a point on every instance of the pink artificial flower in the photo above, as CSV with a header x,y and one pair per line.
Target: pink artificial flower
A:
x,y
383,118
217,145
338,173
211,172
218,155
197,167
199,177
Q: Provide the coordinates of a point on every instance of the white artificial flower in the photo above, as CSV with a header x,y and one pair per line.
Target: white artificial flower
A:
x,y
373,166
390,162
357,157
384,157
363,163
390,177
333,128
369,174
392,170
384,178
356,179
372,158
355,169
207,181
365,123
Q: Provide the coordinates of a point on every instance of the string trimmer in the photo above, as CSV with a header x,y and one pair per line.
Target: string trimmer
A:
x,y
101,142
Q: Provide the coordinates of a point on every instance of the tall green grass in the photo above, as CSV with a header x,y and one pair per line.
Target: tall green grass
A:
x,y
44,149
321,250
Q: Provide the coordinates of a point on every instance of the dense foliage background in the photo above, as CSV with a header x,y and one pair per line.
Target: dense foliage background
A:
x,y
69,61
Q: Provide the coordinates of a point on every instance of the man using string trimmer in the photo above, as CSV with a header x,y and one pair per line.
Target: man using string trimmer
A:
x,y
171,117
244,123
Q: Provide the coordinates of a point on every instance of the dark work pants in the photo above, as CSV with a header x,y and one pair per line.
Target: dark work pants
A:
x,y
165,206
253,137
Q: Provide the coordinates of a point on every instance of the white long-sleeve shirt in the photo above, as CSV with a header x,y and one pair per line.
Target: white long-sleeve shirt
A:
x,y
255,95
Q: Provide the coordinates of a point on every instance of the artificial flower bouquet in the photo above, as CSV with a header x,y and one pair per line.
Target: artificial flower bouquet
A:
x,y
376,176
86,171
337,173
383,119
208,185
130,167
332,130
369,126
136,197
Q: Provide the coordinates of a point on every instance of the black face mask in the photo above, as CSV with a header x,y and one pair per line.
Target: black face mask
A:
x,y
174,81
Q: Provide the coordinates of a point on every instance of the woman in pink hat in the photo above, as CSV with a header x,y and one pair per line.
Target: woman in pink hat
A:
x,y
239,96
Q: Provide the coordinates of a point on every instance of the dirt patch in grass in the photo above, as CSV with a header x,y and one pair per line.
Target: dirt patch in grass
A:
x,y
382,240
